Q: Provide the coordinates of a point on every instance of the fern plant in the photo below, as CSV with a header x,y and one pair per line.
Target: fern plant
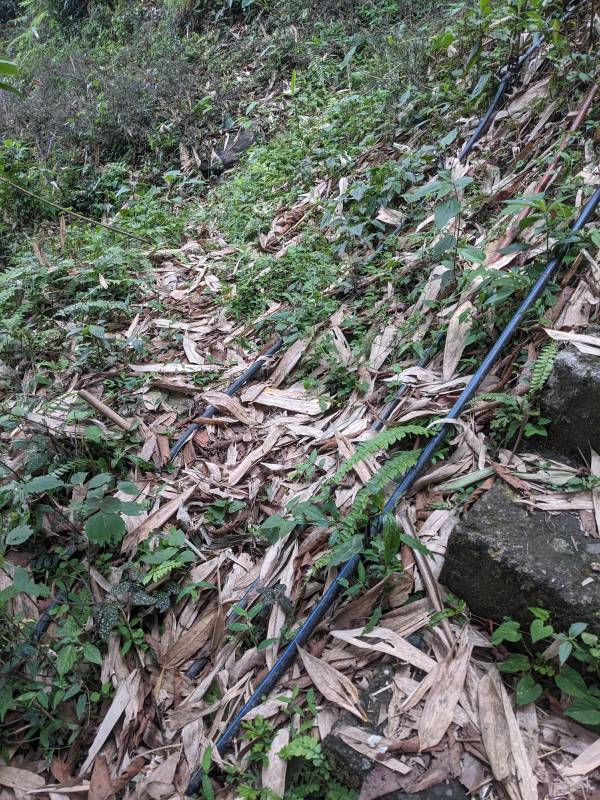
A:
x,y
521,416
379,443
542,368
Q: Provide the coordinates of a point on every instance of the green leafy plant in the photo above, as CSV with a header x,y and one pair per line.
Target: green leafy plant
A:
x,y
519,416
576,645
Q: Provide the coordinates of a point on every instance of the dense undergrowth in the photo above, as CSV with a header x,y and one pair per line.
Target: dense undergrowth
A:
x,y
119,103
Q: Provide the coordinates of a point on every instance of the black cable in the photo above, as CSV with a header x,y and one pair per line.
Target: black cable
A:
x,y
211,410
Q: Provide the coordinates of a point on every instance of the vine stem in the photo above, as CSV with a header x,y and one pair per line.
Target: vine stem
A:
x,y
89,220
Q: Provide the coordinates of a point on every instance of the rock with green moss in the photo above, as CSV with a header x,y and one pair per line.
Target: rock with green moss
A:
x,y
502,559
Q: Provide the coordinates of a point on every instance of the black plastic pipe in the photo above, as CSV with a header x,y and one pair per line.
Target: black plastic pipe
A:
x,y
210,410
511,73
509,76
199,663
286,659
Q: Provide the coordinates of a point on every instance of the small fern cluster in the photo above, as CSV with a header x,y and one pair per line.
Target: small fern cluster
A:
x,y
542,367
396,467
378,444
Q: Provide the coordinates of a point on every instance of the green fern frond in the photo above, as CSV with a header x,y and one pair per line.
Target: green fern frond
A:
x,y
381,442
542,367
498,397
392,470
160,571
98,306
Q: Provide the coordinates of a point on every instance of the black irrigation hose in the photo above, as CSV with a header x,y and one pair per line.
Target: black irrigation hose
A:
x,y
511,73
199,663
211,410
509,76
288,656
40,629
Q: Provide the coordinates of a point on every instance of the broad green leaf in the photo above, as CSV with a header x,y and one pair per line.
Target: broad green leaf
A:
x,y
103,528
589,638
23,583
276,527
564,651
424,191
528,690
449,138
66,660
19,535
92,654
571,682
539,613
161,555
112,505
80,705
446,211
586,716
509,631
345,550
8,67
130,508
127,487
207,786
516,662
99,480
577,628
44,483
540,631
471,254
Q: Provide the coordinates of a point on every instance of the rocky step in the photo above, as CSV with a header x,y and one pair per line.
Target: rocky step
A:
x,y
502,559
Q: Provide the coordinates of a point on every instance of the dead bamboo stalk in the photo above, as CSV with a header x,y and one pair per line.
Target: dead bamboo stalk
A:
x,y
90,398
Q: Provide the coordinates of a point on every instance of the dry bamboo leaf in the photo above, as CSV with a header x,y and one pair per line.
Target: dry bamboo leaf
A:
x,y
372,746
288,361
444,695
382,347
364,469
458,329
231,404
297,400
582,341
125,695
502,739
190,642
277,616
273,774
189,348
390,643
174,369
254,457
585,762
332,684
20,779
156,520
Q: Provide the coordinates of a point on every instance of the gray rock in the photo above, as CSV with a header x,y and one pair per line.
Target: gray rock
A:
x,y
571,399
502,559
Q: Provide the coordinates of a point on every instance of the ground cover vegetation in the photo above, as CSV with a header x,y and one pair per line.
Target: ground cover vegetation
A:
x,y
347,216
